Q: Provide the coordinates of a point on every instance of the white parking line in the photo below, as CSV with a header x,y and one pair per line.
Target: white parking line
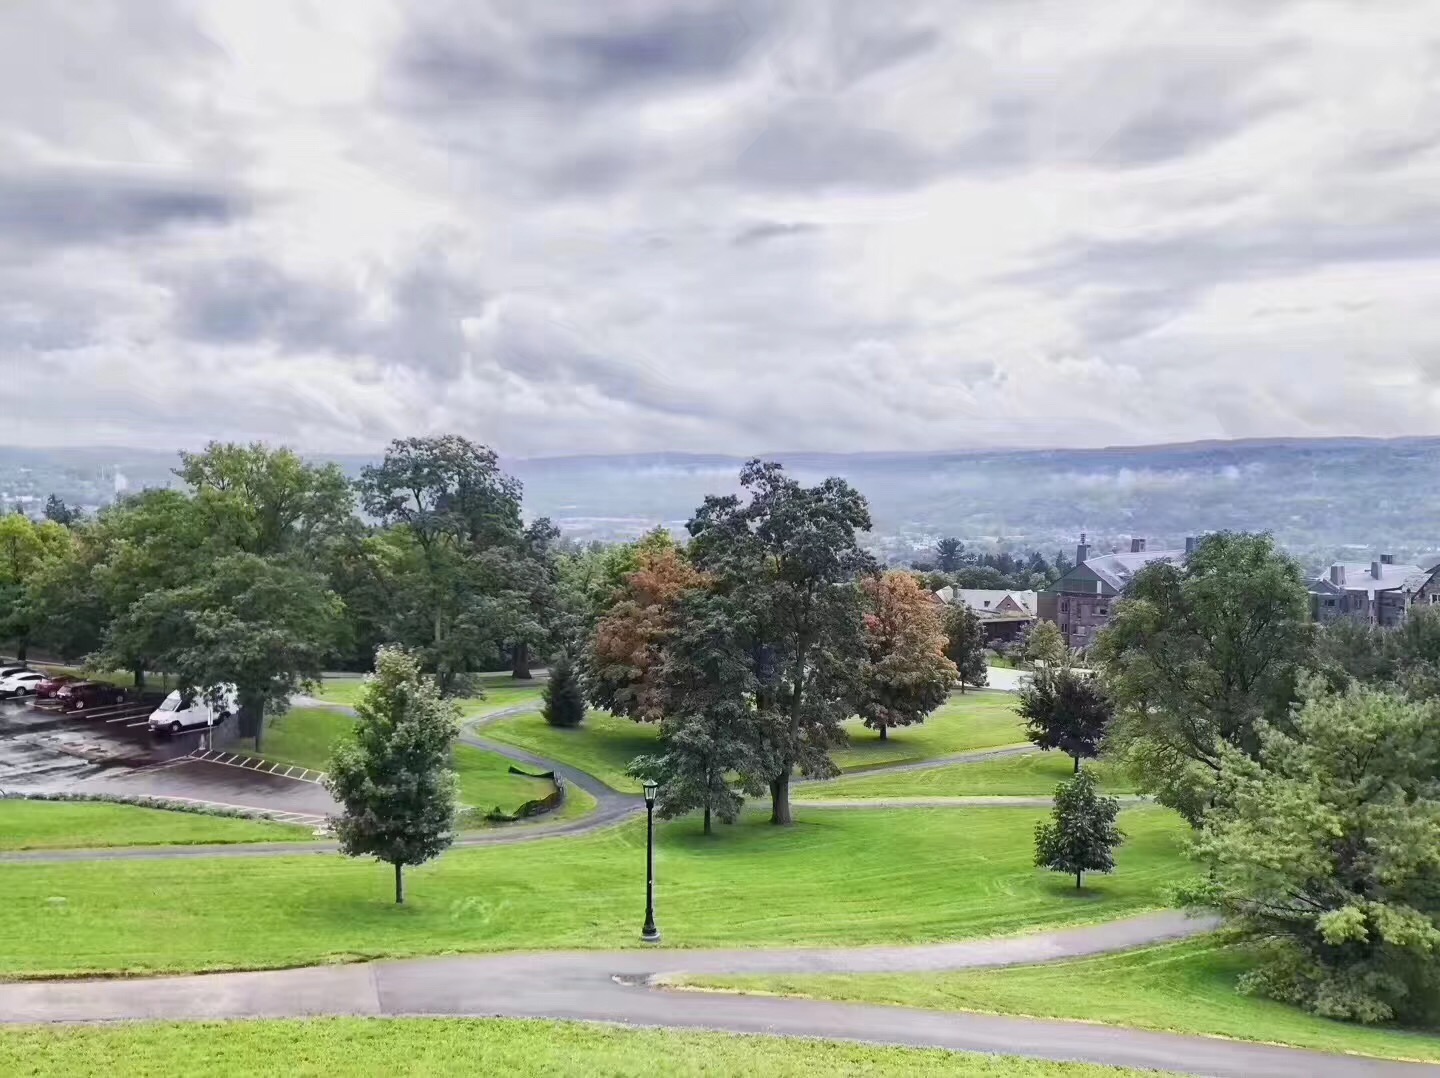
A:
x,y
132,725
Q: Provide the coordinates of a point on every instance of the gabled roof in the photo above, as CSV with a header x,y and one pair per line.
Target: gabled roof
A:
x,y
992,601
1117,570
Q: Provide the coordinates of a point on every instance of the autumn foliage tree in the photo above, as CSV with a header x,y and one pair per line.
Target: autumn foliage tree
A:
x,y
622,661
906,674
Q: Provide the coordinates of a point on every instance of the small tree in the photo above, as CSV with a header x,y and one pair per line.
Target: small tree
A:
x,y
1066,711
394,779
1045,646
1081,835
965,645
949,554
564,698
906,674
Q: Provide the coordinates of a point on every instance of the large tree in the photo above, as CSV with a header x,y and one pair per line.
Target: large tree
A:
x,y
1066,711
259,624
905,675
949,554
456,582
28,552
1195,656
1045,646
965,645
623,657
787,556
704,688
1327,848
395,780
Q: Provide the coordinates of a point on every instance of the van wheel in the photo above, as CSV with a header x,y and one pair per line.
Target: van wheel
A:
x,y
175,728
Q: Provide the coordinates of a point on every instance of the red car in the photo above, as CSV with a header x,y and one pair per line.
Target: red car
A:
x,y
47,689
78,695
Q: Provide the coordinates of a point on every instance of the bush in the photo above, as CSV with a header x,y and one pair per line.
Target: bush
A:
x,y
564,698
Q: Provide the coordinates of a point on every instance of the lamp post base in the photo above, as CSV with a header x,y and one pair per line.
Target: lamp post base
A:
x,y
650,935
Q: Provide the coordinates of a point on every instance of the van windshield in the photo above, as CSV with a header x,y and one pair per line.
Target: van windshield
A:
x,y
172,703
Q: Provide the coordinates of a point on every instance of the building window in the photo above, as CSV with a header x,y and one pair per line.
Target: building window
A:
x,y
1103,611
1065,605
1329,602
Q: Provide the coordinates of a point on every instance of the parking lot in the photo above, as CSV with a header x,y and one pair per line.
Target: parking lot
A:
x,y
111,750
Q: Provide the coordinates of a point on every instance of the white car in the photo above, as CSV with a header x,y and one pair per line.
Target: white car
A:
x,y
20,684
180,711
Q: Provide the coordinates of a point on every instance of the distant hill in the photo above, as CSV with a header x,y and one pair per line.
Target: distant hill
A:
x,y
1323,498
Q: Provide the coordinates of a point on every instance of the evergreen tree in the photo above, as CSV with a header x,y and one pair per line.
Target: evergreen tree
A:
x,y
906,674
1326,848
965,645
1066,711
1081,836
564,698
949,554
394,779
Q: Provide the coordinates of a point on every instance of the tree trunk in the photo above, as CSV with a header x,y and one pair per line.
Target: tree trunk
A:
x,y
962,686
884,732
780,800
707,819
139,671
22,650
399,884
1077,765
1077,880
520,661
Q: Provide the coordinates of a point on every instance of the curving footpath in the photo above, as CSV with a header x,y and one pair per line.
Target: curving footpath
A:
x,y
622,987
628,987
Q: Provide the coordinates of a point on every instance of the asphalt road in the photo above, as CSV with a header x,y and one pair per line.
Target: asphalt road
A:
x,y
620,987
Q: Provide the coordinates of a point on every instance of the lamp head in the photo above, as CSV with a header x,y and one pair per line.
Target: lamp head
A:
x,y
651,786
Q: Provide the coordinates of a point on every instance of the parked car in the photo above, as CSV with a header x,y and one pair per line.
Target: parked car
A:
x,y
11,669
21,684
78,695
192,707
47,689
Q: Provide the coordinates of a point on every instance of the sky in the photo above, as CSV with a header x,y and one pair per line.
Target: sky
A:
x,y
725,226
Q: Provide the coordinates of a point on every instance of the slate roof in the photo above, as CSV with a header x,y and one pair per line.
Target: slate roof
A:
x,y
978,598
1407,578
1118,569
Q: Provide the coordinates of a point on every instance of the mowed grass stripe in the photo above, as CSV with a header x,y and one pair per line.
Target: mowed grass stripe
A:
x,y
837,877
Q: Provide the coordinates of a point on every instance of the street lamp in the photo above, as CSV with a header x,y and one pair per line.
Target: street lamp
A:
x,y
650,934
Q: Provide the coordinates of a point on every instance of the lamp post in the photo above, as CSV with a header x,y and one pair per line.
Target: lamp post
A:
x,y
650,934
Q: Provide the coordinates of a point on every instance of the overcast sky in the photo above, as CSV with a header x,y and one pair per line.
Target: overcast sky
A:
x,y
719,225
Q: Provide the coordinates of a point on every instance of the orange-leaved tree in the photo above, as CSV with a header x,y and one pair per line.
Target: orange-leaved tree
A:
x,y
906,674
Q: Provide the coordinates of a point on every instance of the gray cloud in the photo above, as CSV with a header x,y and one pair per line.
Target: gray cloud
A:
x,y
764,231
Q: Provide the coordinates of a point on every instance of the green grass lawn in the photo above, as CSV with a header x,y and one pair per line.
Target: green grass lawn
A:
x,y
63,825
426,1046
601,746
964,723
306,736
1035,773
836,877
1185,988
499,692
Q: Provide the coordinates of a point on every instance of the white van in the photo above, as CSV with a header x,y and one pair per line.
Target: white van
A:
x,y
181,710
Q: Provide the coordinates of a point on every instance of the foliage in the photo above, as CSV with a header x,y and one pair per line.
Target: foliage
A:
x,y
786,560
622,660
1328,848
1195,657
28,552
1066,711
1349,650
948,554
704,687
62,514
564,698
395,781
965,645
462,574
906,674
1045,646
1081,836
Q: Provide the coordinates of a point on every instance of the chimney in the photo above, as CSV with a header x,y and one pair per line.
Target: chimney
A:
x,y
1189,545
1387,559
1082,552
1137,546
1337,574
1375,570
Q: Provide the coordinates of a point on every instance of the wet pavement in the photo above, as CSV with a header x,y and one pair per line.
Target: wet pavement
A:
x,y
111,750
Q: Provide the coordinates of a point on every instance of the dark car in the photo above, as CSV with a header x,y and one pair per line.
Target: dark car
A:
x,y
79,695
47,689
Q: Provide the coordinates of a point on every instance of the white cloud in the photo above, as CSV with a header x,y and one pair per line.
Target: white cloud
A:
x,y
719,224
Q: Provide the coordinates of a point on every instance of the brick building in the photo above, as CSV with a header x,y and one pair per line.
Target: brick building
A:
x,y
1081,601
1380,593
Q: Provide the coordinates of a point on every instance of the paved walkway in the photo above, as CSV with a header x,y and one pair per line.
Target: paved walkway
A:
x,y
620,987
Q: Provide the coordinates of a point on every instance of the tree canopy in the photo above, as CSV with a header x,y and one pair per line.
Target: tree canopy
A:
x,y
905,675
1066,711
